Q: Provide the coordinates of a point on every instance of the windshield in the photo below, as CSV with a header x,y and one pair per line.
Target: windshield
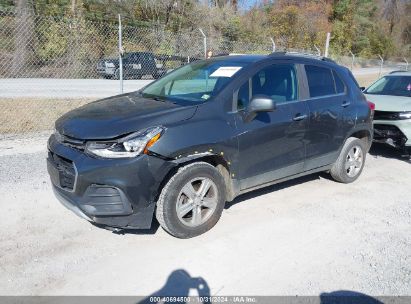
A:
x,y
194,83
391,85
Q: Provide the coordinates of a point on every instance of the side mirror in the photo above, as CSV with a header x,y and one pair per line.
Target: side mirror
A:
x,y
362,89
259,103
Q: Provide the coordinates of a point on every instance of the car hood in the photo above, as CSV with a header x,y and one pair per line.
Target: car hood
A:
x,y
390,103
115,116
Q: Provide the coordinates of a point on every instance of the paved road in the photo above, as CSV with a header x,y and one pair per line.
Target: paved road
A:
x,y
303,237
65,88
87,88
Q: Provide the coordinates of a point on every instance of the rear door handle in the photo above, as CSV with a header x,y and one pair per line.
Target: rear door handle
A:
x,y
300,117
345,104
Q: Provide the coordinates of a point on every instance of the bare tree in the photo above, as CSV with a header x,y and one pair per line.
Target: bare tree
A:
x,y
391,14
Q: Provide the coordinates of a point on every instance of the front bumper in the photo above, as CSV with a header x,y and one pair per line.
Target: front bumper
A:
x,y
112,192
396,133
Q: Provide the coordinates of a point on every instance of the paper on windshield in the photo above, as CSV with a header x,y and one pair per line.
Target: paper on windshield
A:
x,y
225,71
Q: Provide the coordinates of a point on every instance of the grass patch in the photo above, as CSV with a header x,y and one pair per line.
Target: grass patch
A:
x,y
23,115
366,80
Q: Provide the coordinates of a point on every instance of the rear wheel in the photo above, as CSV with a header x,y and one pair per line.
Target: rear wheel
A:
x,y
351,161
192,201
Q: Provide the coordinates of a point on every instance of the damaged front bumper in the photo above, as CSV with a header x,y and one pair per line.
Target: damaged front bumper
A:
x,y
394,133
118,193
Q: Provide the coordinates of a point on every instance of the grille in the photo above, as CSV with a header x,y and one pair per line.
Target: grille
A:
x,y
385,115
71,142
67,173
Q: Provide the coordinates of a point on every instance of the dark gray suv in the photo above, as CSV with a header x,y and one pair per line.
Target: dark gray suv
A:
x,y
205,133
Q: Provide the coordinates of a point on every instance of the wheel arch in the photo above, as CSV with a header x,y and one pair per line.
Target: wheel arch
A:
x,y
363,134
217,161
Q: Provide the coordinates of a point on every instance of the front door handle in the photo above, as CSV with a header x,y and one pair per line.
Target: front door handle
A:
x,y
299,117
345,104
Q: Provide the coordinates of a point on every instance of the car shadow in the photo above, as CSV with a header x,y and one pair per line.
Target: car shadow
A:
x,y
180,284
382,150
276,187
152,230
347,297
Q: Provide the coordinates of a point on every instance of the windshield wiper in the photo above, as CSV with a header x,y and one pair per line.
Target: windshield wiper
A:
x,y
151,96
157,98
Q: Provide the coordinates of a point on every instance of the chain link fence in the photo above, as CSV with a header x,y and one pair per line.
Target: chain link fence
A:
x,y
49,65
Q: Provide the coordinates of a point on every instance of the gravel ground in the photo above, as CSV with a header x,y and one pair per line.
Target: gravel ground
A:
x,y
302,237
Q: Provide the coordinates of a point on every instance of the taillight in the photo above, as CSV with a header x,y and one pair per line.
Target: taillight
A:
x,y
371,105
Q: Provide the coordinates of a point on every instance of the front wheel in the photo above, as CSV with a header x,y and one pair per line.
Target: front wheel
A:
x,y
192,201
351,161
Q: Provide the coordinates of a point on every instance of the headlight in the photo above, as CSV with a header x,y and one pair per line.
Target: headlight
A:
x,y
126,147
405,115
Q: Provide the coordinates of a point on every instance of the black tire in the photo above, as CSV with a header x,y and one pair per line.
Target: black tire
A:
x,y
339,171
166,211
157,76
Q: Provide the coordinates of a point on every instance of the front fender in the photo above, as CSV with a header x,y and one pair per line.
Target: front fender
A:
x,y
205,134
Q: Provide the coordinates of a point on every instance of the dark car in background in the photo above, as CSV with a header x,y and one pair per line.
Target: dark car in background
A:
x,y
205,133
135,66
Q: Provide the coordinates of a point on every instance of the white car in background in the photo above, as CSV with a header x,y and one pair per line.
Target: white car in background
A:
x,y
391,95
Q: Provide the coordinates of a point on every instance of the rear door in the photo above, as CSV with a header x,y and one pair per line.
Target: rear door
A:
x,y
330,115
271,146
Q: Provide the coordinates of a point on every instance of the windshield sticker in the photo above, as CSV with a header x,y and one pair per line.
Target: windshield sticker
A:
x,y
225,71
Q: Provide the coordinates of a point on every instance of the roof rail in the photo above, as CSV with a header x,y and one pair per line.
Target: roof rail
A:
x,y
398,71
307,55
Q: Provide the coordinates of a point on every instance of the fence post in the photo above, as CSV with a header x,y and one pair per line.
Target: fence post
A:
x,y
318,50
382,63
120,53
352,60
204,42
406,64
273,43
327,44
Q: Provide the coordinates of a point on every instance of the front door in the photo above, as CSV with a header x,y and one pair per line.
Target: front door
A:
x,y
271,146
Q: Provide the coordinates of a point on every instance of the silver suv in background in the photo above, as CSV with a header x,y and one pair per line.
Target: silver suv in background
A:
x,y
391,95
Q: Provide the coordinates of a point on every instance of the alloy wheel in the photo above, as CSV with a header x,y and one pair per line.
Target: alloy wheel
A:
x,y
354,161
197,201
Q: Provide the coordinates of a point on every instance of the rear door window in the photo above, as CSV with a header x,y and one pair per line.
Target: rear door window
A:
x,y
339,84
320,81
